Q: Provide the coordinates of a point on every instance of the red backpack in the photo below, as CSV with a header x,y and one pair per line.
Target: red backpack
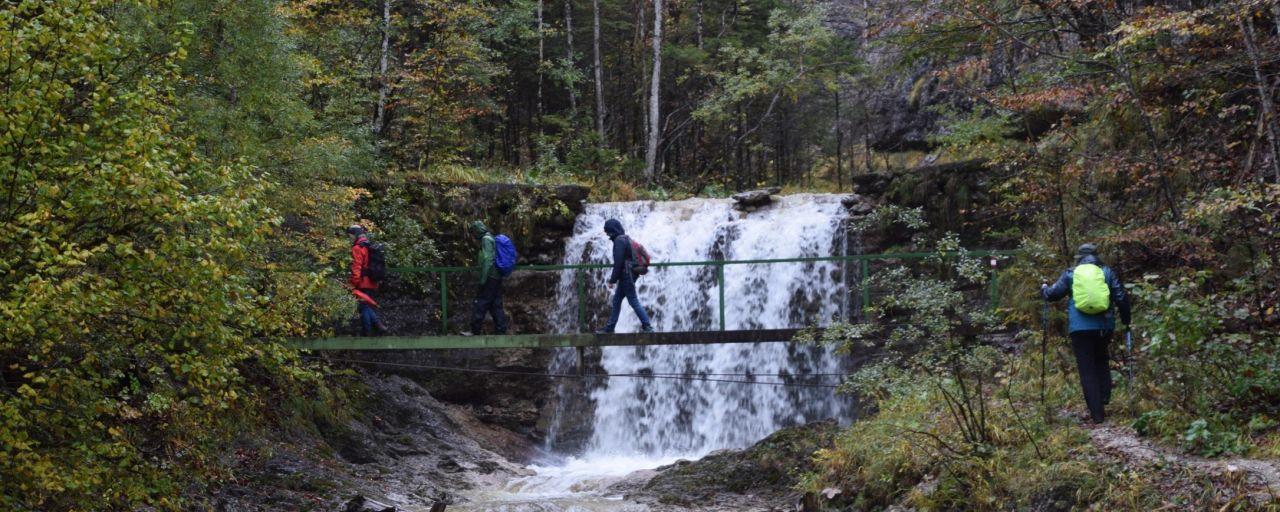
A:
x,y
639,258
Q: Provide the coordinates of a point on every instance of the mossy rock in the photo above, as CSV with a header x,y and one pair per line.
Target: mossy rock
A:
x,y
768,467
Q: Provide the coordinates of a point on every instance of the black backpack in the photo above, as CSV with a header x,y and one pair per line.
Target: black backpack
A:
x,y
376,269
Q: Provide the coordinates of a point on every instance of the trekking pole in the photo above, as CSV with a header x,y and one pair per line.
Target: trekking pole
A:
x,y
1128,347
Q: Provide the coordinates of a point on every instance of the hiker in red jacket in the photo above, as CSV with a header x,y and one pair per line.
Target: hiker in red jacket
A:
x,y
363,282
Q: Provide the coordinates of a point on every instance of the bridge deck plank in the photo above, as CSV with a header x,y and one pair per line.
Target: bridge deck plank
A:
x,y
545,340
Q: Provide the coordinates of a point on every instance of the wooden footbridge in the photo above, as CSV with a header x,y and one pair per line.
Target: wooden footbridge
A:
x,y
546,340
860,262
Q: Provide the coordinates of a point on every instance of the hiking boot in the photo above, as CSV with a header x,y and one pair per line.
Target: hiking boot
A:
x,y
647,328
604,331
380,329
466,333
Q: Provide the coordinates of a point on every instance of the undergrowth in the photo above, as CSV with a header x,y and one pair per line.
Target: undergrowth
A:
x,y
958,424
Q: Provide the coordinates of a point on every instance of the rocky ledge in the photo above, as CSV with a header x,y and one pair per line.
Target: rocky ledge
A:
x,y
759,478
401,450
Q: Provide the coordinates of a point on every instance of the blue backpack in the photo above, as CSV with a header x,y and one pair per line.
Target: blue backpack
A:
x,y
505,255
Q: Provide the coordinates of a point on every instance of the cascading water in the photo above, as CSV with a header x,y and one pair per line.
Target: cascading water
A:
x,y
643,422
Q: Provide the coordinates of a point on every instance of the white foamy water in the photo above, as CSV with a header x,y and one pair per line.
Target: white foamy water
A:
x,y
575,485
644,423
577,475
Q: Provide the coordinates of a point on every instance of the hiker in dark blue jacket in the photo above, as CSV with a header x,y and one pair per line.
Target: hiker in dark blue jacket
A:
x,y
623,278
1091,333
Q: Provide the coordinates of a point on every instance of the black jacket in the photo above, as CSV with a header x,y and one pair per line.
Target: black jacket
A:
x,y
621,251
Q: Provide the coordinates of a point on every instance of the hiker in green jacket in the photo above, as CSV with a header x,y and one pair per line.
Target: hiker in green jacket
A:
x,y
489,295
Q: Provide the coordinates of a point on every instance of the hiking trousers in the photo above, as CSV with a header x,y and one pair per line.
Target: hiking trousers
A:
x,y
489,302
1093,361
626,290
368,315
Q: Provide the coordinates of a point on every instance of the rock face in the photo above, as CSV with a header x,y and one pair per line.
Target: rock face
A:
x,y
507,398
761,477
955,196
401,450
858,204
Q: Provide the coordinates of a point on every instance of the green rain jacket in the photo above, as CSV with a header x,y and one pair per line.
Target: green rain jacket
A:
x,y
485,258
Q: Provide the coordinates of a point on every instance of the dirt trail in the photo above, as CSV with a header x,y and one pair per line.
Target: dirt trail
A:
x,y
1258,478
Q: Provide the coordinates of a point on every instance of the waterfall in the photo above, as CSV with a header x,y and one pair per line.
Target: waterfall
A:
x,y
663,418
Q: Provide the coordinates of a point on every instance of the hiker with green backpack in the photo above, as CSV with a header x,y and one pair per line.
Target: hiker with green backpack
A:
x,y
1095,295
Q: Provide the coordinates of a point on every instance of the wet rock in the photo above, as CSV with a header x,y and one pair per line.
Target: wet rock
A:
x,y
857,204
764,474
754,199
397,438
449,465
511,401
354,443
363,504
872,183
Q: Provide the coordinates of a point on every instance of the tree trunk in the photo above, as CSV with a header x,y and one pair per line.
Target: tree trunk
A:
x,y
638,121
541,59
568,53
698,22
1275,16
599,71
1264,91
655,81
839,145
380,115
866,93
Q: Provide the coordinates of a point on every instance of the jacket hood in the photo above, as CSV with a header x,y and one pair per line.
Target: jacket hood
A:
x,y
1088,258
479,229
613,228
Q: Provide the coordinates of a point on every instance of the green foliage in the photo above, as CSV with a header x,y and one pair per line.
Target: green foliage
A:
x,y
1203,385
957,424
394,224
925,330
976,132
895,457
135,299
794,49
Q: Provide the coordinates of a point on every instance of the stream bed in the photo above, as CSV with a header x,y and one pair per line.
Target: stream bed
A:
x,y
572,485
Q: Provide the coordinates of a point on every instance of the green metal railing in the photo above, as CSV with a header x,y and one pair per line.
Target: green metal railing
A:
x,y
864,261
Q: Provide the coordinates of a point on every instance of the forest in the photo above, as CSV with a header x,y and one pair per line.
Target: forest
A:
x,y
175,176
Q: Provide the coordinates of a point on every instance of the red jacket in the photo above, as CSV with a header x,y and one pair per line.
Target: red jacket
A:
x,y
360,260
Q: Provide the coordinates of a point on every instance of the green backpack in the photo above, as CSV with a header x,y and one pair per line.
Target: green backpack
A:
x,y
1089,289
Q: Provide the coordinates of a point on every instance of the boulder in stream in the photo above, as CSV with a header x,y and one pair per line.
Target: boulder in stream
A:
x,y
753,199
760,477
